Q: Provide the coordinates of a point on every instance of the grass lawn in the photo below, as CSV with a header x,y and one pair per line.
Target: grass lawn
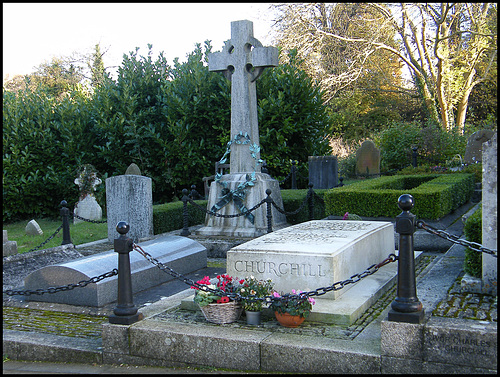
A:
x,y
80,233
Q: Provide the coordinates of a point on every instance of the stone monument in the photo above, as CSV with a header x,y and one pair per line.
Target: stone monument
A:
x,y
33,229
87,206
323,171
474,147
130,198
368,159
242,60
9,247
489,214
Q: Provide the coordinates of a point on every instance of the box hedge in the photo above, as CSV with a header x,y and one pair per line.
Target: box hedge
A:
x,y
473,232
435,195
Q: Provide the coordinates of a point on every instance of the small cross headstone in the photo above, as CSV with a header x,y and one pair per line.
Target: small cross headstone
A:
x,y
243,59
368,159
473,150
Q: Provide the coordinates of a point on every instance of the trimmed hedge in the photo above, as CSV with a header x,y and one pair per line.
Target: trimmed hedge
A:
x,y
435,195
168,217
292,200
473,232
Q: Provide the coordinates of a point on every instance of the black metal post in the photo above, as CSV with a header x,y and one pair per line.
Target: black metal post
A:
x,y
125,313
310,199
195,195
294,175
406,307
185,215
269,202
414,157
65,223
341,179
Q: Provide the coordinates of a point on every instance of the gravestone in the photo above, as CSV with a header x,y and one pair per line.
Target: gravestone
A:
x,y
242,59
87,206
179,253
133,169
368,159
473,150
130,198
317,254
323,171
9,247
33,229
489,214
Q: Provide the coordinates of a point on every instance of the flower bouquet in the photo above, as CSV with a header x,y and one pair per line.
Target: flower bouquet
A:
x,y
291,310
218,307
253,288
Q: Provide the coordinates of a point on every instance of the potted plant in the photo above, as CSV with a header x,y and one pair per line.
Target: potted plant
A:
x,y
218,308
253,288
291,310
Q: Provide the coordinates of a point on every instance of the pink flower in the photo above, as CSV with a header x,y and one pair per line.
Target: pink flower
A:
x,y
311,300
276,294
346,215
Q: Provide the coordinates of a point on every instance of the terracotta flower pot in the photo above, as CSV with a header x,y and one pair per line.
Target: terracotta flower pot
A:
x,y
288,320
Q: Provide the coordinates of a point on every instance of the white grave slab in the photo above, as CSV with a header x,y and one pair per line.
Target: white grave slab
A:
x,y
313,254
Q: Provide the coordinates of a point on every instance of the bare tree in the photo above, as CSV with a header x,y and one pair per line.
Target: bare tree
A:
x,y
448,47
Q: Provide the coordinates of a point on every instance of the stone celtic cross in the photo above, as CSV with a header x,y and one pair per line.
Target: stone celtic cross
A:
x,y
243,59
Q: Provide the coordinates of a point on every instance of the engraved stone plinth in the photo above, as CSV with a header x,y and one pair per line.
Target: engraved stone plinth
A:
x,y
241,226
179,253
313,254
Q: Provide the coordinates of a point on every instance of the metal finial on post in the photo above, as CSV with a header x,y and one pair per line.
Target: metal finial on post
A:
x,y
125,313
185,215
269,215
406,307
414,157
65,222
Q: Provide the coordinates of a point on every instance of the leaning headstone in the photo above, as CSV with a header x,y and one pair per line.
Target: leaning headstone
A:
x,y
489,214
368,159
474,148
179,253
133,169
242,59
130,198
87,206
323,171
33,229
9,247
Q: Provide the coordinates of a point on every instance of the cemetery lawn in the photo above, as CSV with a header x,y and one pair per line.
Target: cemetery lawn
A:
x,y
80,233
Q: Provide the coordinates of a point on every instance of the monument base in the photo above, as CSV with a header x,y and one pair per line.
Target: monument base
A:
x,y
241,226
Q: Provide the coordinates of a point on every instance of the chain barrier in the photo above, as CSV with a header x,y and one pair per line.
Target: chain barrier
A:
x,y
68,287
455,239
47,240
243,213
88,220
236,296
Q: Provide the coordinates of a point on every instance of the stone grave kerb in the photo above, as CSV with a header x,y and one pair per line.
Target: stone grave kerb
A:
x,y
242,60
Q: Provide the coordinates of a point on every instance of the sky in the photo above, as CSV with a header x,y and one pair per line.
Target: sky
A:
x,y
34,33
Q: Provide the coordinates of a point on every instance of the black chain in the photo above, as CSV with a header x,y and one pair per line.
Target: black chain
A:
x,y
281,210
243,213
61,288
88,220
47,240
236,296
455,239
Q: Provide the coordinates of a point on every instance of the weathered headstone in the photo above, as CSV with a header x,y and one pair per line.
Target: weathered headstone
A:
x,y
323,171
242,59
130,198
489,214
133,169
87,206
9,247
179,253
33,229
368,159
474,147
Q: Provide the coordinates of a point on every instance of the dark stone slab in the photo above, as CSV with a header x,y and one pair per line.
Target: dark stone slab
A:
x,y
323,171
